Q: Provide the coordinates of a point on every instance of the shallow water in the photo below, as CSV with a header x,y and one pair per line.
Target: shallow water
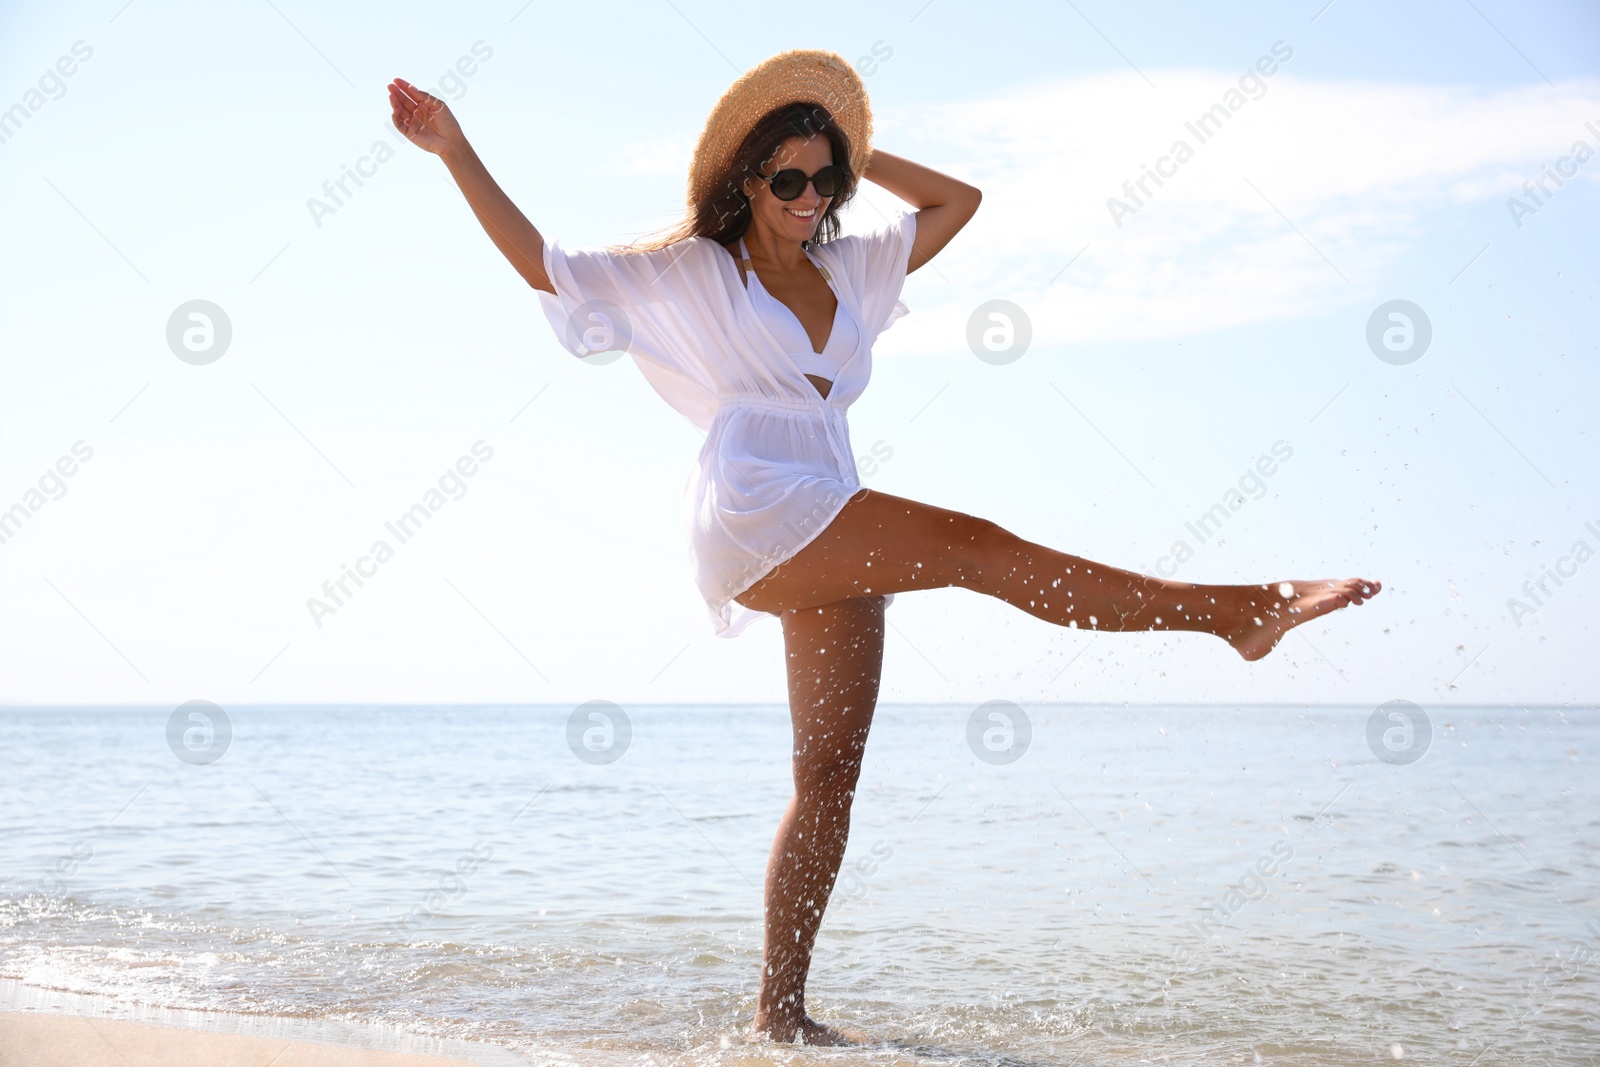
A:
x,y
1073,906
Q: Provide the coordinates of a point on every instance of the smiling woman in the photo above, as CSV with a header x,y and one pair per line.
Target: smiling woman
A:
x,y
755,320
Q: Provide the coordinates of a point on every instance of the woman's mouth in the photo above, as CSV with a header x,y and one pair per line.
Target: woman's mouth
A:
x,y
811,214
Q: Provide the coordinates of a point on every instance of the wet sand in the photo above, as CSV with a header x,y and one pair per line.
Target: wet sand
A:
x,y
45,1040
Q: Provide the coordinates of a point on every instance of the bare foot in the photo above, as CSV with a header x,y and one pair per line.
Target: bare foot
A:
x,y
1267,612
809,1032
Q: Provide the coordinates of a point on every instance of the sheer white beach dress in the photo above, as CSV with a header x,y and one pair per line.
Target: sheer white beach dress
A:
x,y
777,465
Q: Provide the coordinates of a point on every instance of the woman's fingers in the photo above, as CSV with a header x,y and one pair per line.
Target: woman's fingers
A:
x,y
407,121
405,96
422,117
418,95
409,117
402,113
402,106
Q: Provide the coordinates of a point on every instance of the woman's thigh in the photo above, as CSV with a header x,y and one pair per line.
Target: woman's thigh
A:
x,y
879,543
834,654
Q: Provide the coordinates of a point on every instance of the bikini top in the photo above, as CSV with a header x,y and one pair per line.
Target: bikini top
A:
x,y
786,327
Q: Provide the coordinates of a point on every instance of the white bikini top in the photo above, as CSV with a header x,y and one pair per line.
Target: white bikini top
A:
x,y
786,327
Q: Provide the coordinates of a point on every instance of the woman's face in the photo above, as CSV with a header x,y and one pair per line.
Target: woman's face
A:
x,y
795,219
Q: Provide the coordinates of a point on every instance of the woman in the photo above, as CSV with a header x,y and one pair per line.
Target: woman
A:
x,y
756,321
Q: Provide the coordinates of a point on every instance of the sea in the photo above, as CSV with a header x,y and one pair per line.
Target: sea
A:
x,y
1024,884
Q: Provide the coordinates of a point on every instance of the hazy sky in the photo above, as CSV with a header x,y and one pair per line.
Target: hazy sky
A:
x,y
158,153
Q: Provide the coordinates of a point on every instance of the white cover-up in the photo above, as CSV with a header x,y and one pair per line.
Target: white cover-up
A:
x,y
842,339
777,465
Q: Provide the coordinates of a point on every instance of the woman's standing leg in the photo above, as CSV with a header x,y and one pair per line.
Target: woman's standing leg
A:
x,y
835,657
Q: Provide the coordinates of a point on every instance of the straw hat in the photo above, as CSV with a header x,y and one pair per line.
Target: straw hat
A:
x,y
799,75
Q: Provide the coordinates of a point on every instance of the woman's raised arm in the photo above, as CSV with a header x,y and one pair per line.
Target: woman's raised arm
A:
x,y
427,123
944,204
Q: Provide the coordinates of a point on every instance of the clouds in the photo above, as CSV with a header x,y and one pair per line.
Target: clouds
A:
x,y
1298,204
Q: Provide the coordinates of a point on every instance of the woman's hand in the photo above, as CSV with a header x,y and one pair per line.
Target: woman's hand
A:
x,y
424,119
427,123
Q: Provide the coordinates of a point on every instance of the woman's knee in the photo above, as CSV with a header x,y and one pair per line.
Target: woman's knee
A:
x,y
978,546
827,782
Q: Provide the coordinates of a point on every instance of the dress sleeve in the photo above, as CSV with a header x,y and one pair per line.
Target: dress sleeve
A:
x,y
609,301
876,265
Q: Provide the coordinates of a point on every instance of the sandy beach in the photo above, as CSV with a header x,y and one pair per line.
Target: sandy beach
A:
x,y
42,1040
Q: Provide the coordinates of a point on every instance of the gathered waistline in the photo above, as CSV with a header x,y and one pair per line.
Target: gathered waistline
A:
x,y
820,407
834,426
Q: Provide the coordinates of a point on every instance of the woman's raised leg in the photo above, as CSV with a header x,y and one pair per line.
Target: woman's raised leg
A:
x,y
835,654
881,544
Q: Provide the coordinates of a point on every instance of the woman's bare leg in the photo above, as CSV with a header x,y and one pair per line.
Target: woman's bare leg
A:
x,y
881,544
835,654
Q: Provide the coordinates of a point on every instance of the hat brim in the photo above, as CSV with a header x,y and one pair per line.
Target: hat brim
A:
x,y
799,75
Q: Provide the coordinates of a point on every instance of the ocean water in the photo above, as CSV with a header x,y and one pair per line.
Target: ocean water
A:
x,y
1120,885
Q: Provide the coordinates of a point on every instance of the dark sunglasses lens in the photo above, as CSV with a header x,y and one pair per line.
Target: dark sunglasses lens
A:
x,y
829,180
788,184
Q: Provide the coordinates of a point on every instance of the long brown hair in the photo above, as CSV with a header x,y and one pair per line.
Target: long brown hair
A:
x,y
724,214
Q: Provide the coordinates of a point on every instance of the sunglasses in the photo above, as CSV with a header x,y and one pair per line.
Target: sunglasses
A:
x,y
789,184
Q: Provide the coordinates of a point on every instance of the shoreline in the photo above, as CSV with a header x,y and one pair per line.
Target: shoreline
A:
x,y
53,1028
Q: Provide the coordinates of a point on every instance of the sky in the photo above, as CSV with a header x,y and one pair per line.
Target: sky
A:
x,y
1420,161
